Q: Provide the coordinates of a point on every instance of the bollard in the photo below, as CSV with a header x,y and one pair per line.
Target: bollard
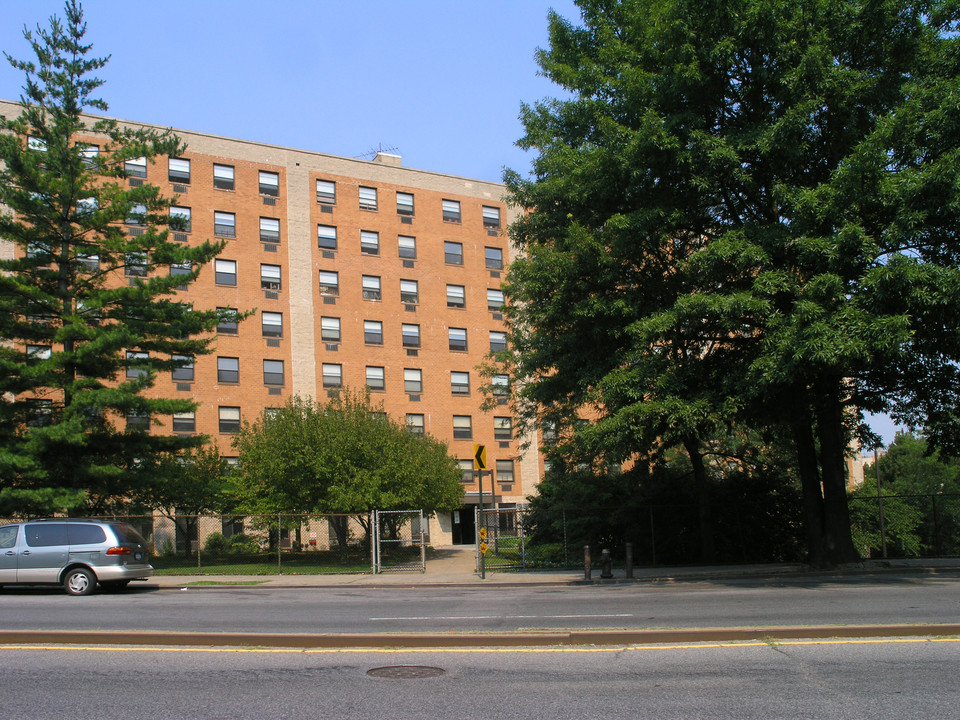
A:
x,y
628,562
606,565
586,562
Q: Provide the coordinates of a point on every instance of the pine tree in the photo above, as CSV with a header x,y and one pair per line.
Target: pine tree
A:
x,y
89,312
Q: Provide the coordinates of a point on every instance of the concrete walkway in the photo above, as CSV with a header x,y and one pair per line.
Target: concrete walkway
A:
x,y
456,565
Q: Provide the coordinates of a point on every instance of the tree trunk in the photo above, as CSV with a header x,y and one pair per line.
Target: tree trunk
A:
x,y
838,539
806,450
708,552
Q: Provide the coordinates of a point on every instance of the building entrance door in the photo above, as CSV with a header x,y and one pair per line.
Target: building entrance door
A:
x,y
464,526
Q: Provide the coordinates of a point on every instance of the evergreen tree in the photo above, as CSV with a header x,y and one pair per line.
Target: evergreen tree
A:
x,y
743,212
88,307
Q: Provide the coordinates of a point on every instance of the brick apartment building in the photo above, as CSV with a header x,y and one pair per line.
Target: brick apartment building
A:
x,y
361,274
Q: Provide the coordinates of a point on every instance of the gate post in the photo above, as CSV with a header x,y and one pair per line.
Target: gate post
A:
x,y
374,542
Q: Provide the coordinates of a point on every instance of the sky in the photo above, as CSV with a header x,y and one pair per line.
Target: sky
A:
x,y
439,82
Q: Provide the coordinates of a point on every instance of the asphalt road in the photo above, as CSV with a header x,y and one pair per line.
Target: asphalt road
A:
x,y
886,599
901,679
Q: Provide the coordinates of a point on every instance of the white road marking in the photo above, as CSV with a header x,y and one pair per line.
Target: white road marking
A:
x,y
499,617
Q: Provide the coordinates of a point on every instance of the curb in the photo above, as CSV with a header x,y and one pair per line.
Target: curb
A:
x,y
472,640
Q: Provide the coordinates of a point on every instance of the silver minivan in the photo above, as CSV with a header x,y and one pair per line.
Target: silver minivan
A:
x,y
76,553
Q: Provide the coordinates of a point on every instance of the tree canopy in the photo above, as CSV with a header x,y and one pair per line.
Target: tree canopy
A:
x,y
88,307
342,456
743,213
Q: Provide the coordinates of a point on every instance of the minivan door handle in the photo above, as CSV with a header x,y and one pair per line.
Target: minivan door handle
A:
x,y
10,552
26,552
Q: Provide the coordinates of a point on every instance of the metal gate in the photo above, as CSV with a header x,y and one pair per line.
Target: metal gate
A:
x,y
398,541
503,533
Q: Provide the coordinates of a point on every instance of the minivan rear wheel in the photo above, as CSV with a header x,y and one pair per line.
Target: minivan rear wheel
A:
x,y
79,581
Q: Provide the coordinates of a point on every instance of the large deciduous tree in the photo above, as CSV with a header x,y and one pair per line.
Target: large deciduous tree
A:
x,y
88,305
744,211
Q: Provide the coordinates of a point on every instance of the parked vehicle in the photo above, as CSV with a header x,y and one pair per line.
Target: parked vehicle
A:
x,y
77,553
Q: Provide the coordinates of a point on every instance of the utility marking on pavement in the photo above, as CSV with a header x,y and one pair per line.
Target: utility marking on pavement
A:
x,y
477,651
498,617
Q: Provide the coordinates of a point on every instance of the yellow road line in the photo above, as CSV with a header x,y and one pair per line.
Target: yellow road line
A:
x,y
530,650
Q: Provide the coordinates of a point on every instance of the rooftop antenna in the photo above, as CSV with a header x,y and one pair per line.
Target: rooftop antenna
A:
x,y
373,152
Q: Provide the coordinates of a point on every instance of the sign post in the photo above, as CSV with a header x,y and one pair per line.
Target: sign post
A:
x,y
479,465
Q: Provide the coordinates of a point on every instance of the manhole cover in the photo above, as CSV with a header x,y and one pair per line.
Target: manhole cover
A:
x,y
406,672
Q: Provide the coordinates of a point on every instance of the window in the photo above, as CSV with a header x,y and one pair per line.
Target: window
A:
x,y
269,183
548,430
456,297
135,265
138,421
409,292
329,283
332,375
373,332
224,224
505,471
184,370
503,428
494,258
40,412
133,359
330,329
451,211
223,177
89,153
271,324
498,341
326,192
89,261
494,300
273,372
228,369
227,324
412,380
466,467
369,242
415,424
35,143
407,247
225,272
462,427
404,203
39,352
185,421
180,218
137,215
135,167
183,268
229,419
269,277
368,198
87,205
371,287
459,383
327,237
375,378
500,385
178,171
411,335
269,230
453,253
491,217
458,339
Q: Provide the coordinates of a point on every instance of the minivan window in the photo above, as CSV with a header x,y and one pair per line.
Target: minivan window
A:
x,y
81,534
8,536
46,534
126,534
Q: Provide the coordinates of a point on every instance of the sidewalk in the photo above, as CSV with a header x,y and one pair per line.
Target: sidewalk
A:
x,y
456,566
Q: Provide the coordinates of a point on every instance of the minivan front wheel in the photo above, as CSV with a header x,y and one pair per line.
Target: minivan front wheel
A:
x,y
79,581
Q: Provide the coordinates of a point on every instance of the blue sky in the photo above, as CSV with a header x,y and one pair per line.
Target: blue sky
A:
x,y
439,81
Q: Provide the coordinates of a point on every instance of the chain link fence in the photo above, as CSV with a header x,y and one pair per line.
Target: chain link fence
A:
x,y
905,526
282,544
